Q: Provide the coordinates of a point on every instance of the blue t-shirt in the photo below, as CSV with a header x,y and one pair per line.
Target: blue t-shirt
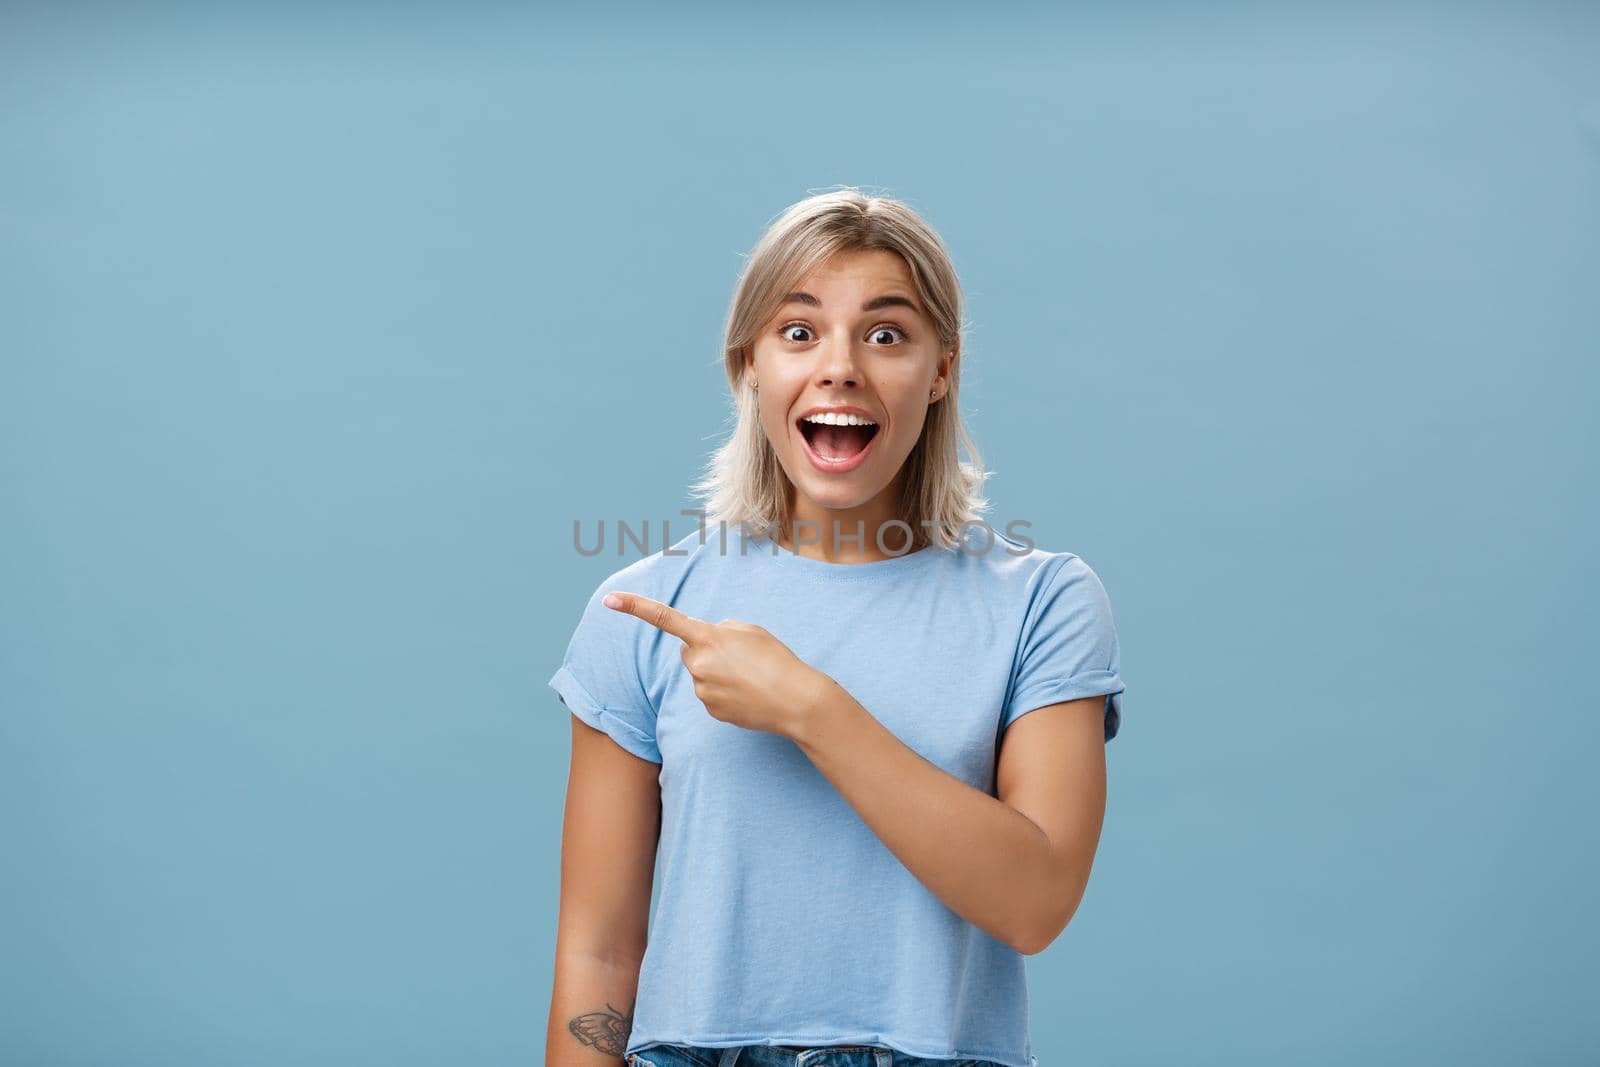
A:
x,y
781,918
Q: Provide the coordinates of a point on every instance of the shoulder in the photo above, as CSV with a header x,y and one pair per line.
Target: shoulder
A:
x,y
603,633
660,573
1014,559
1038,576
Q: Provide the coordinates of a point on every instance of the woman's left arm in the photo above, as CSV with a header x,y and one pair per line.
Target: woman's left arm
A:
x,y
1016,865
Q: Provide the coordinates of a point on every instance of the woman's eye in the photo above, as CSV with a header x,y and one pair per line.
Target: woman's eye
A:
x,y
786,332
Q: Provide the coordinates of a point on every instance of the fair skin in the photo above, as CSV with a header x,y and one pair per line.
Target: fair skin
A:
x,y
1015,865
829,345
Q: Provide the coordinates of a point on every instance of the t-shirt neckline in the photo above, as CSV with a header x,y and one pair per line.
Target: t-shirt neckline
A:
x,y
769,549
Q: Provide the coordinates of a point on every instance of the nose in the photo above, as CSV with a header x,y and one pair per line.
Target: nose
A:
x,y
836,364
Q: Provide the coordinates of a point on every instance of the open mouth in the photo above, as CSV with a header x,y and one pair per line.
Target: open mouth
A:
x,y
836,444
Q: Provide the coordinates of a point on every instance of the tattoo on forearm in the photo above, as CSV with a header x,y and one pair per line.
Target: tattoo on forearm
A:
x,y
606,1030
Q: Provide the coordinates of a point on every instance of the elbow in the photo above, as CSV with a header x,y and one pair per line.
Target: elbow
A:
x,y
1044,934
1027,946
1050,921
1038,939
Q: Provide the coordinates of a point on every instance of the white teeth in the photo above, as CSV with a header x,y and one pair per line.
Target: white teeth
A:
x,y
830,418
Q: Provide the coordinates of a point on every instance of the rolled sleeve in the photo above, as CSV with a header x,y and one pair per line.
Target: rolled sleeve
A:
x,y
602,675
618,723
1070,650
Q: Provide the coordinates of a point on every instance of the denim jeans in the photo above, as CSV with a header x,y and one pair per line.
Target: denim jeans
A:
x,y
788,1056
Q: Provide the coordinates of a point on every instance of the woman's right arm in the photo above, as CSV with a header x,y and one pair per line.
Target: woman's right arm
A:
x,y
610,829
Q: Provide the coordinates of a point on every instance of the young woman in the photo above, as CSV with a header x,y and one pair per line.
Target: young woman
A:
x,y
858,733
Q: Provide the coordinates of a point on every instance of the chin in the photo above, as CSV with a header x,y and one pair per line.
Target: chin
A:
x,y
838,495
836,501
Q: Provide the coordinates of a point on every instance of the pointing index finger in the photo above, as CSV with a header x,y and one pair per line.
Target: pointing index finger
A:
x,y
662,616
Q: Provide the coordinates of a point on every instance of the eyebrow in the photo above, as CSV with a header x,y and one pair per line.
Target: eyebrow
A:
x,y
871,305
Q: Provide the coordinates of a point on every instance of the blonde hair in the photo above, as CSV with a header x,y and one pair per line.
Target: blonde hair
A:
x,y
744,484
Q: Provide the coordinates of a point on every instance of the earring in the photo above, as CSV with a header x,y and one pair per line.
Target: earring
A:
x,y
755,385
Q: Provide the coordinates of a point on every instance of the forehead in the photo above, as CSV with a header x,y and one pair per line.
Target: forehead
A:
x,y
867,267
857,280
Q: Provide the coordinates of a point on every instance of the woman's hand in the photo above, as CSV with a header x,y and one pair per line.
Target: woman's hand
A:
x,y
742,674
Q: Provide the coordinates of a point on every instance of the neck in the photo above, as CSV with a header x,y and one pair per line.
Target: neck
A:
x,y
849,535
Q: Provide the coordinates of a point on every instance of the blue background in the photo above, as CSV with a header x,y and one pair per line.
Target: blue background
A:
x,y
320,326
